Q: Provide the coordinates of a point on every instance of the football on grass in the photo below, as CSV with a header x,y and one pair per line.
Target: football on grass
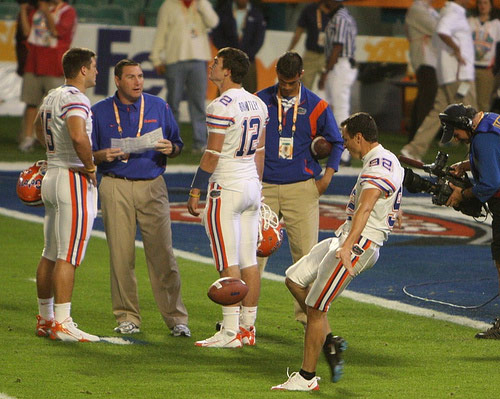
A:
x,y
227,291
320,147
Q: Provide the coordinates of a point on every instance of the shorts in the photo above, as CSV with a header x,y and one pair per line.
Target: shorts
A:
x,y
70,209
35,88
326,273
231,219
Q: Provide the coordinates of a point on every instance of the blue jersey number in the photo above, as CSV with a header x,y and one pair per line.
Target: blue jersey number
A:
x,y
395,209
49,137
249,137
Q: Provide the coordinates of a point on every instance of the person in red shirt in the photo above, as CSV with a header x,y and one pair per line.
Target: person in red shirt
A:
x,y
50,29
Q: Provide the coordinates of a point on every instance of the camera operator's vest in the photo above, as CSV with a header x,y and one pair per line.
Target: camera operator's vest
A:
x,y
490,123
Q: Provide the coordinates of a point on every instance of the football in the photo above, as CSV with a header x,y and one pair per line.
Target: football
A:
x,y
320,147
227,291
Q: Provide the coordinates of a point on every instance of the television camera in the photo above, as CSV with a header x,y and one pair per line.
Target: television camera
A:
x,y
438,184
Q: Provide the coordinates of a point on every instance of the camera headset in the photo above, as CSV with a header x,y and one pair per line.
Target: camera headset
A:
x,y
456,116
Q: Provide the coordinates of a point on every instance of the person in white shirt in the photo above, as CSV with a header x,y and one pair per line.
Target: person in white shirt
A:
x,y
486,34
180,52
420,24
232,167
455,73
319,277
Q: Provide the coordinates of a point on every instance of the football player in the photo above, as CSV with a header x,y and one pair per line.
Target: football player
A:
x,y
231,167
320,276
69,193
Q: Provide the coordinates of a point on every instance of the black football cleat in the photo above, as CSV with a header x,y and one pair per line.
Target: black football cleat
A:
x,y
492,332
333,348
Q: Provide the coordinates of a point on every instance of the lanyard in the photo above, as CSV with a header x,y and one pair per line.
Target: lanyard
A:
x,y
319,20
280,115
141,117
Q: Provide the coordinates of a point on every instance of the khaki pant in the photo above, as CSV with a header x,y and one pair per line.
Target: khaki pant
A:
x,y
485,85
313,64
446,95
125,205
298,204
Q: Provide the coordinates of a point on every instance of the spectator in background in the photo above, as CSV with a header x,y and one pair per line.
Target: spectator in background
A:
x,y
420,23
313,19
339,72
486,34
455,73
180,52
241,26
50,31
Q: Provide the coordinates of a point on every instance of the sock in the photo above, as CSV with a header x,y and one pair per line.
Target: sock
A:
x,y
62,311
231,317
46,308
249,315
328,339
307,375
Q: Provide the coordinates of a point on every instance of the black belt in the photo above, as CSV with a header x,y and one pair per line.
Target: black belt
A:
x,y
124,178
482,67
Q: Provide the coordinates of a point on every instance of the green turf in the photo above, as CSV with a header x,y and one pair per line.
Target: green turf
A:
x,y
390,354
9,128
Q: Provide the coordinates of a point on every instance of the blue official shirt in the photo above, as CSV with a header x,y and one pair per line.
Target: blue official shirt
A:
x,y
315,117
157,114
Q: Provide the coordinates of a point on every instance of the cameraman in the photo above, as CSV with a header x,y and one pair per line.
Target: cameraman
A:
x,y
50,29
482,131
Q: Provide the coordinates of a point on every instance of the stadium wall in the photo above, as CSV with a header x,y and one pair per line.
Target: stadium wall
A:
x,y
113,43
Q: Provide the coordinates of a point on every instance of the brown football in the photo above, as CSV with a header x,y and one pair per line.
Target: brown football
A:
x,y
227,291
320,147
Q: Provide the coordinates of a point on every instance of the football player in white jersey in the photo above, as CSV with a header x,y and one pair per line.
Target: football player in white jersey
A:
x,y
69,193
232,168
373,208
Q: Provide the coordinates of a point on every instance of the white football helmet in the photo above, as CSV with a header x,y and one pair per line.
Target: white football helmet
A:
x,y
270,232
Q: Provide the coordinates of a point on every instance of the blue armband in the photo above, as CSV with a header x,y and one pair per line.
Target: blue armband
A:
x,y
200,179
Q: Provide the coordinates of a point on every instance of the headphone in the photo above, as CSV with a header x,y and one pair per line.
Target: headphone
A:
x,y
459,122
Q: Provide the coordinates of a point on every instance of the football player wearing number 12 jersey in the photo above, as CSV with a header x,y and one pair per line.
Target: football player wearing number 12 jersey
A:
x,y
320,276
231,167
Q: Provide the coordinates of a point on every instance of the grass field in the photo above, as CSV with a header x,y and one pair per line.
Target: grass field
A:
x,y
390,355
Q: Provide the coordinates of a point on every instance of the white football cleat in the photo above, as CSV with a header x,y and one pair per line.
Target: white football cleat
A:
x,y
67,331
248,335
296,382
222,339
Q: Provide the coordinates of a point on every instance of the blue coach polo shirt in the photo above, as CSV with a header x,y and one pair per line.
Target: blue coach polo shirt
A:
x,y
314,118
157,113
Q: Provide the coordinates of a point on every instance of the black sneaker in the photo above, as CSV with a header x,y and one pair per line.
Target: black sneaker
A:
x,y
492,332
333,348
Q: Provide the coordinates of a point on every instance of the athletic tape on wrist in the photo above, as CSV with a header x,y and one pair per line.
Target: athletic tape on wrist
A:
x,y
200,179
